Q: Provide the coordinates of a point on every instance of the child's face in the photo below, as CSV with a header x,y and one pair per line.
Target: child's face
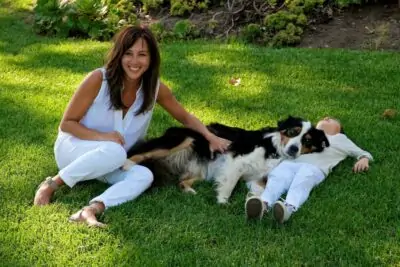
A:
x,y
329,126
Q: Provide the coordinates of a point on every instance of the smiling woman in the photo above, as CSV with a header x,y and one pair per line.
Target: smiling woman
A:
x,y
108,114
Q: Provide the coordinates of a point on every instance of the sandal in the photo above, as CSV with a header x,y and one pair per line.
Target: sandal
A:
x,y
49,182
78,217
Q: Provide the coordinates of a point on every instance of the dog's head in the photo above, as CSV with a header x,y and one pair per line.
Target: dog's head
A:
x,y
298,136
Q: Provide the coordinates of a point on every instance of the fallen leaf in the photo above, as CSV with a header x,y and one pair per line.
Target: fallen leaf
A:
x,y
234,81
389,113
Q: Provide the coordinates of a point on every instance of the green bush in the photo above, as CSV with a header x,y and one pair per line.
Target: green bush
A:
x,y
49,16
97,19
183,29
285,27
158,30
251,32
120,13
151,4
305,5
184,7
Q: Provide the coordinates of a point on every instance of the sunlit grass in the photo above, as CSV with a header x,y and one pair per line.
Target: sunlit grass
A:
x,y
350,220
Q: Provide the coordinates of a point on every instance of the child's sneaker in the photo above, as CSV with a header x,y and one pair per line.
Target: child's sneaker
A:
x,y
254,206
282,211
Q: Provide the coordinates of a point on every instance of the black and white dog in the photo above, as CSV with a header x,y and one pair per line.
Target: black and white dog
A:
x,y
184,153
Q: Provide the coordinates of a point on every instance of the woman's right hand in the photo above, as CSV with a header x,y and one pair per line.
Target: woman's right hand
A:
x,y
114,136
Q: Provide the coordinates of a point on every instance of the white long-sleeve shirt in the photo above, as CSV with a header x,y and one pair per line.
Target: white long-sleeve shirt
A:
x,y
340,148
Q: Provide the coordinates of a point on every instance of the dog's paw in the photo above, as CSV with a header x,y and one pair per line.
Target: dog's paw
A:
x,y
128,164
222,200
190,190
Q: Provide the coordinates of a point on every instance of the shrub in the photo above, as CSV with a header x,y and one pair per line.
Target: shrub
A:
x,y
96,19
49,16
158,30
184,7
184,29
251,32
151,4
285,27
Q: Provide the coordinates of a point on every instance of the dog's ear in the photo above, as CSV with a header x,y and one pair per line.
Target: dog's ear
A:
x,y
282,123
324,140
286,123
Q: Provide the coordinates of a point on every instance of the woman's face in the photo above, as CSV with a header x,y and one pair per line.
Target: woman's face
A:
x,y
136,60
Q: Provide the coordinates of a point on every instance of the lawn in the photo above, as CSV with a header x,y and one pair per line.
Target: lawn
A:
x,y
350,220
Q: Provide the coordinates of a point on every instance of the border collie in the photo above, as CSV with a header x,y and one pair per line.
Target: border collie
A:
x,y
184,153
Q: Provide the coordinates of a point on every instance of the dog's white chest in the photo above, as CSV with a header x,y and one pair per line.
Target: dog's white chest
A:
x,y
254,166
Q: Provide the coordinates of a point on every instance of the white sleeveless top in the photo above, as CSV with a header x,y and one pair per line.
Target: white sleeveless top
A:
x,y
102,118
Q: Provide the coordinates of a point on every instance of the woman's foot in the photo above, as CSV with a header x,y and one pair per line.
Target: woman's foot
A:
x,y
88,215
45,191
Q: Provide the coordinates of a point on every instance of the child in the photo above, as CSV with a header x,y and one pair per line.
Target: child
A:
x,y
299,176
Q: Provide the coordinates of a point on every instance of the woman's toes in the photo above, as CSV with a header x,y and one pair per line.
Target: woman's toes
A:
x,y
42,196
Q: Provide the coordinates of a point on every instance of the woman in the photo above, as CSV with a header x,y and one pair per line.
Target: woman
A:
x,y
109,113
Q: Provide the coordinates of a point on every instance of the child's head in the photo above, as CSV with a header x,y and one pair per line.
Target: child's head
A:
x,y
330,126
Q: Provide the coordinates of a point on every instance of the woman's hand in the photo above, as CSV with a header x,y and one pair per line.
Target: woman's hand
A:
x,y
113,137
218,143
361,165
173,107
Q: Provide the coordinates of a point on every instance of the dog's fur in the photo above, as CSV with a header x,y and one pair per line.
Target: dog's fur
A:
x,y
185,153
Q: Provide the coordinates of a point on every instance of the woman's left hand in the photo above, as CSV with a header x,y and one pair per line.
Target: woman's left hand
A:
x,y
218,143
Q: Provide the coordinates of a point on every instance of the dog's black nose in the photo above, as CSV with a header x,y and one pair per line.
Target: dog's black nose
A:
x,y
293,150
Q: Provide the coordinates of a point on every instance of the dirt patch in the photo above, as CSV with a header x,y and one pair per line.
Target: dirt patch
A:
x,y
374,27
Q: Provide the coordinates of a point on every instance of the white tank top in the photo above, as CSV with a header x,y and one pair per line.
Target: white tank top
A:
x,y
102,118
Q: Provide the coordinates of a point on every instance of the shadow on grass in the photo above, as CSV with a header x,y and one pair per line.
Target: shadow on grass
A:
x,y
40,52
22,125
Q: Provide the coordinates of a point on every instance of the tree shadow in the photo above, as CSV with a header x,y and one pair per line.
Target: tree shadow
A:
x,y
22,125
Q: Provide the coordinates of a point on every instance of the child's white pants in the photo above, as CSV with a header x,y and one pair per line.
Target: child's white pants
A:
x,y
295,178
81,160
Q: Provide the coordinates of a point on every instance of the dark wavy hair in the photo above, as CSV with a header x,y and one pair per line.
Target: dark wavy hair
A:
x,y
115,73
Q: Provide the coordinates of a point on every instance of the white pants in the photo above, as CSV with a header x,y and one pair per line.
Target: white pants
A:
x,y
81,160
295,178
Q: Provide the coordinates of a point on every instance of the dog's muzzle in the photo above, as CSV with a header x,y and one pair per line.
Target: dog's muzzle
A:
x,y
292,151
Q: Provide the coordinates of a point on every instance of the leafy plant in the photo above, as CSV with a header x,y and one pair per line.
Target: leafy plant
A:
x,y
183,7
97,19
251,32
184,29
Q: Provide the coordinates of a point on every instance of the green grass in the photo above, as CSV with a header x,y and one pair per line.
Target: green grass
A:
x,y
350,220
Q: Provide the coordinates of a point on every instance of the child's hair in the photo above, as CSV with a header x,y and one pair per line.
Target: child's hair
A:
x,y
340,123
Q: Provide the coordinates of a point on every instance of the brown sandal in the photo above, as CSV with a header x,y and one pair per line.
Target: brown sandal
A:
x,y
48,181
78,218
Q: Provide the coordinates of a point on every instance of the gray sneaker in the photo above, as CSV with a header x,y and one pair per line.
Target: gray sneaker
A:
x,y
282,212
254,207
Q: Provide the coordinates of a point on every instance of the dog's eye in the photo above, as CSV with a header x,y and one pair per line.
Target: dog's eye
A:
x,y
307,142
292,132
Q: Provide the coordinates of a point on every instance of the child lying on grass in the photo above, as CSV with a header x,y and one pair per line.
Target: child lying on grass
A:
x,y
299,176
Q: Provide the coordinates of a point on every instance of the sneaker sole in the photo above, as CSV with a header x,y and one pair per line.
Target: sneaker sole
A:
x,y
254,209
278,213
